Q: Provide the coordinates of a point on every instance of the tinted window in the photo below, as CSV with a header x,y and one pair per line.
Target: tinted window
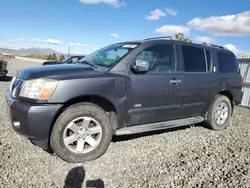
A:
x,y
194,59
226,62
208,55
160,57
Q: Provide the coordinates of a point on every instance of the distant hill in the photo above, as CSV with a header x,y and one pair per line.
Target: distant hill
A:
x,y
42,51
29,51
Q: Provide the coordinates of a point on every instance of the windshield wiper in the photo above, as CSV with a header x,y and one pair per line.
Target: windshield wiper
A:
x,y
88,63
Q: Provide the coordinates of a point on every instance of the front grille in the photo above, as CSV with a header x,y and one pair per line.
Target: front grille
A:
x,y
16,86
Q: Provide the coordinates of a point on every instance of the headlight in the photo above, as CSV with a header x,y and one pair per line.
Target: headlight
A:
x,y
38,89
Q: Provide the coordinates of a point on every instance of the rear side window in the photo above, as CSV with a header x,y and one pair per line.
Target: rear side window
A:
x,y
194,59
226,62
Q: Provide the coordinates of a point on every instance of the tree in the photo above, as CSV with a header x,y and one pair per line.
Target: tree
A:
x,y
181,37
50,57
54,56
62,57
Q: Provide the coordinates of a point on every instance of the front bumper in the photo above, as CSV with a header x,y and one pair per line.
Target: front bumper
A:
x,y
3,73
31,120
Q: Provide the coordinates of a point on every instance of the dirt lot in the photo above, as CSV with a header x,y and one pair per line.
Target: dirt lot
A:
x,y
188,157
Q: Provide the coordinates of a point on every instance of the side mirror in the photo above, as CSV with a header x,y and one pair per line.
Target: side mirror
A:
x,y
141,66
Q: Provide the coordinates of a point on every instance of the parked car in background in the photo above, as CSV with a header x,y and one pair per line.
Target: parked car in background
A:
x,y
124,88
69,60
3,69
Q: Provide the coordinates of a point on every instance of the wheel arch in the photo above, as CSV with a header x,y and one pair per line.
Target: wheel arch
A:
x,y
228,94
100,101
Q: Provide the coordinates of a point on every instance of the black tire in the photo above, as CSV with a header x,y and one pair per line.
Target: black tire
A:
x,y
72,112
3,77
210,122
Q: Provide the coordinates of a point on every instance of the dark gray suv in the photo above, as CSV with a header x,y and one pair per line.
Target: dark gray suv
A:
x,y
124,88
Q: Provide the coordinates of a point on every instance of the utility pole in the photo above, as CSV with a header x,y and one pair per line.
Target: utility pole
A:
x,y
69,51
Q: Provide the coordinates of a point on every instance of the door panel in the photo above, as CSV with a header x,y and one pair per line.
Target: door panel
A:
x,y
197,87
154,98
156,95
199,80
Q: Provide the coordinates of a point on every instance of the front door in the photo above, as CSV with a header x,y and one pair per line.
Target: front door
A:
x,y
156,95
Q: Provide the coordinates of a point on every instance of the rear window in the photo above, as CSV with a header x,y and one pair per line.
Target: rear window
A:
x,y
226,62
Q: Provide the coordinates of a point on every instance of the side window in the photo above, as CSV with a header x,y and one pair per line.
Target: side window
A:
x,y
145,55
194,59
74,60
226,62
161,57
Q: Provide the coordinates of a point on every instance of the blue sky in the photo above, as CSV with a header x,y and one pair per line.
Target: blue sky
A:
x,y
89,24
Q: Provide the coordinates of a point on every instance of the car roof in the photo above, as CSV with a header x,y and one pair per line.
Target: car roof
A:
x,y
172,40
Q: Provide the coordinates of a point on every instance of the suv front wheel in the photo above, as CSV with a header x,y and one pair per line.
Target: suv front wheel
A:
x,y
81,133
219,113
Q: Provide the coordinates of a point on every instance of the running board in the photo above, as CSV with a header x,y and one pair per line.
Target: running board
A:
x,y
158,126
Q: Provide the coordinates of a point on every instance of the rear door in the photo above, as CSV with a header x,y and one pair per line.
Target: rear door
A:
x,y
156,95
199,79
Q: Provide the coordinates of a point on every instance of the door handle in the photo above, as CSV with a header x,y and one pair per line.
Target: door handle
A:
x,y
175,81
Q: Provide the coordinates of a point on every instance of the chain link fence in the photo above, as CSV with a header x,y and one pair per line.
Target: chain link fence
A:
x,y
244,63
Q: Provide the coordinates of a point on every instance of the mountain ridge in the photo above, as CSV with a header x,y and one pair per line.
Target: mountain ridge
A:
x,y
30,51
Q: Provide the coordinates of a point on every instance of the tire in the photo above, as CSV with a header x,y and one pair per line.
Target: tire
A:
x,y
211,122
61,127
3,77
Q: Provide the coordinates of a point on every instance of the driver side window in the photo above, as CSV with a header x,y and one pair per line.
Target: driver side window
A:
x,y
161,58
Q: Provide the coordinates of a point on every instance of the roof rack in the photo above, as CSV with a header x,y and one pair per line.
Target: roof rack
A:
x,y
166,37
213,45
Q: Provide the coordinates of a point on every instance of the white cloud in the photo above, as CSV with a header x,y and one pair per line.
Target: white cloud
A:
x,y
114,35
206,39
78,44
155,14
114,3
171,12
172,30
227,25
236,50
50,41
233,48
53,41
23,40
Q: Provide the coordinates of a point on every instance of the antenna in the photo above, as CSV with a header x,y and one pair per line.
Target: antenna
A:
x,y
69,51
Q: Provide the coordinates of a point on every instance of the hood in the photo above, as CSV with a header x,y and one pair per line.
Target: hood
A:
x,y
54,71
51,62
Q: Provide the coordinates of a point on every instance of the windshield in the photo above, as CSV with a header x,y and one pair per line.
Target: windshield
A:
x,y
66,59
108,56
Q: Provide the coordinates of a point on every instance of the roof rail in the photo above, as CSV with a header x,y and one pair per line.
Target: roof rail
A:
x,y
166,37
213,45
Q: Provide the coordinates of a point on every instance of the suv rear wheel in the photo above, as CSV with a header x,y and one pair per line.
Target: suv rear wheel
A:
x,y
219,113
81,133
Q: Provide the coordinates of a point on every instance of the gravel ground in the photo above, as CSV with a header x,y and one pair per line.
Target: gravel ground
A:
x,y
188,157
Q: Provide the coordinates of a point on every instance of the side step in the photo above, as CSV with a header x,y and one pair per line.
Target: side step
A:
x,y
158,125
